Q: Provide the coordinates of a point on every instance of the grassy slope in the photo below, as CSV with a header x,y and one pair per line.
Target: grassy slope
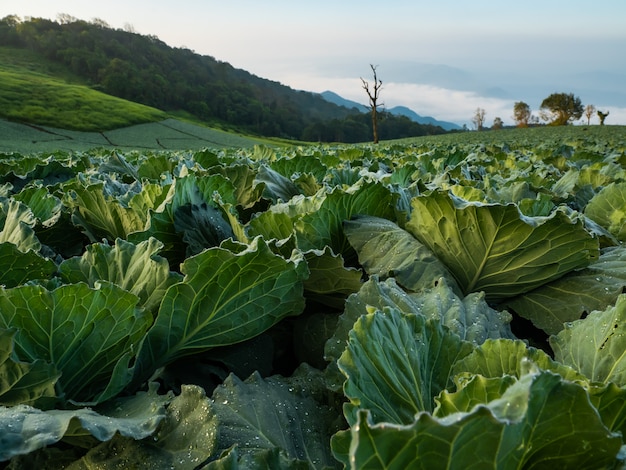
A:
x,y
44,108
31,91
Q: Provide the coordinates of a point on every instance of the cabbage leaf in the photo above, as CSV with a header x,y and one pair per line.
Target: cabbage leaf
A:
x,y
567,299
596,346
225,298
384,249
608,208
21,382
136,268
27,428
495,249
396,364
89,335
539,421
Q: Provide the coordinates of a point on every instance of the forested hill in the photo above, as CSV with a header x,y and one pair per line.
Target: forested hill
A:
x,y
146,70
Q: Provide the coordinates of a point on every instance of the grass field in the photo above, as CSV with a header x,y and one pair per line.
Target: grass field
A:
x,y
169,134
32,91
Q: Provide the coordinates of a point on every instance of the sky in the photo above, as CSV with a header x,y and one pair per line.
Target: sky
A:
x,y
442,59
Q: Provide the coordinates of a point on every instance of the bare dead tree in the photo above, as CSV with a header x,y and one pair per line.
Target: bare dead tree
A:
x,y
373,94
479,118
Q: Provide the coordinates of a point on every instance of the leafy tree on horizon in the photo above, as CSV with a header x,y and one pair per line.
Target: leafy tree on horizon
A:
x,y
521,114
561,109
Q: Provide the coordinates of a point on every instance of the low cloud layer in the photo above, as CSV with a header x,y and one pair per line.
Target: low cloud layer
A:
x,y
441,103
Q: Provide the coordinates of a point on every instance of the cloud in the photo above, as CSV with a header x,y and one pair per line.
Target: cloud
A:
x,y
427,100
444,104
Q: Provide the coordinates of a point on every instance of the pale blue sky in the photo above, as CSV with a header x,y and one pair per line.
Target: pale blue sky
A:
x,y
442,59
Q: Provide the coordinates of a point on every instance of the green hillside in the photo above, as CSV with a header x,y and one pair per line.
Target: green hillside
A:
x,y
36,91
44,107
145,70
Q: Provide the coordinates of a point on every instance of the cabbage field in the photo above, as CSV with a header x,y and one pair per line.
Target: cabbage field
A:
x,y
434,303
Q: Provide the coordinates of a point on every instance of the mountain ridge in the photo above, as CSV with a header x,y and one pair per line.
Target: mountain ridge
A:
x,y
396,110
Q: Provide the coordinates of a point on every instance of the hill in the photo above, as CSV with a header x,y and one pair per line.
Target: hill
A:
x,y
31,92
145,70
396,110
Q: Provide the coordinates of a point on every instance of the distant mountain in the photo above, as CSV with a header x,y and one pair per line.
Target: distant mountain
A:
x,y
404,111
397,110
338,100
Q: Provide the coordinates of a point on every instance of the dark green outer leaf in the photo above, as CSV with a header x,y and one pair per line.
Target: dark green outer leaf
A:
x,y
18,267
274,459
25,429
258,415
225,298
495,249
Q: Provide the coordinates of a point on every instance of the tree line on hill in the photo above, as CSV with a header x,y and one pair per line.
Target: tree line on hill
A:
x,y
144,69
